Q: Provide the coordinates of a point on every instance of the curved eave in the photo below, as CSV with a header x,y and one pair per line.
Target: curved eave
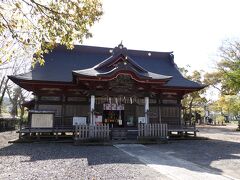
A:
x,y
29,84
91,72
186,90
28,104
116,58
113,75
14,79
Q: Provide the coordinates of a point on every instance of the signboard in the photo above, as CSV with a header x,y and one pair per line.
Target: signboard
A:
x,y
98,119
120,122
120,107
141,120
42,120
108,106
79,120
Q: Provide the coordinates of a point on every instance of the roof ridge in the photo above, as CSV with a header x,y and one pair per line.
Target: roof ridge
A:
x,y
109,49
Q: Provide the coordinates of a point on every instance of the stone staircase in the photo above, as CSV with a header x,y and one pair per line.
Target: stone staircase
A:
x,y
123,134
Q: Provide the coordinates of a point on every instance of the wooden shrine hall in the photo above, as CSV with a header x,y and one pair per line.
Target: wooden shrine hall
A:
x,y
97,86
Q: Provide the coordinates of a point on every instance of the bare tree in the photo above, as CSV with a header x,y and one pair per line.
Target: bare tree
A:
x,y
17,97
3,88
19,63
24,95
14,97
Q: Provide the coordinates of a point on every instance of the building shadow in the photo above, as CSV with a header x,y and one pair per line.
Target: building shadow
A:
x,y
95,155
201,152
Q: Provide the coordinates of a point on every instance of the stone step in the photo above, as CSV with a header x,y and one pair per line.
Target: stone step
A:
x,y
123,134
132,134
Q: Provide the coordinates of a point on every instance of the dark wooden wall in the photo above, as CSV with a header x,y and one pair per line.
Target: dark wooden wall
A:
x,y
160,110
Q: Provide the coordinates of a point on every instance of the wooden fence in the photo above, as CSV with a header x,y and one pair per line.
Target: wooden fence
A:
x,y
86,132
152,130
8,123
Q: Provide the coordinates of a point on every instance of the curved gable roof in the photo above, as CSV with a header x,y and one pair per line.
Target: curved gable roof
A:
x,y
60,63
119,62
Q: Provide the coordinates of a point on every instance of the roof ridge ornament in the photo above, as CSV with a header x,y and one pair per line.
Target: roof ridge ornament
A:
x,y
172,58
120,49
121,44
119,54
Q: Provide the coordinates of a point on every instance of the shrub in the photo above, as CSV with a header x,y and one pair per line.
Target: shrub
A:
x,y
220,119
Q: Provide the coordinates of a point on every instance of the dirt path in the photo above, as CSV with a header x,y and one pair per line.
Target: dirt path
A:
x,y
170,166
7,136
223,133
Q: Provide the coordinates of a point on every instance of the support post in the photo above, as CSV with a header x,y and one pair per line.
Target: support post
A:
x,y
20,128
36,98
63,112
146,109
92,107
159,111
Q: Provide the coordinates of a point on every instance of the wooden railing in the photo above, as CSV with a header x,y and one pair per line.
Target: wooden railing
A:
x,y
86,132
152,130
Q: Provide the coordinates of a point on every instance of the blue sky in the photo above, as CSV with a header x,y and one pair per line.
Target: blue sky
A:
x,y
193,29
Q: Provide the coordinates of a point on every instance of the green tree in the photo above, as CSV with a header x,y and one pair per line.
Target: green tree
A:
x,y
37,25
226,77
227,105
193,102
230,64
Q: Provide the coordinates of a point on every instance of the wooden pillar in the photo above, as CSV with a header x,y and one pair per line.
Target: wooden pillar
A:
x,y
159,111
92,107
180,114
20,127
179,111
63,109
36,102
146,109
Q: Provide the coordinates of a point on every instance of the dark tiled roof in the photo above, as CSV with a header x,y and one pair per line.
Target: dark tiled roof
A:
x,y
60,64
118,62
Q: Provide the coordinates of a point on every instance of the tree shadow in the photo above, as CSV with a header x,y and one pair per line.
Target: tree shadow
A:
x,y
52,151
218,129
203,153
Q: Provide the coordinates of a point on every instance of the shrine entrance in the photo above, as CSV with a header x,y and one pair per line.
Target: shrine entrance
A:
x,y
125,117
115,118
121,104
117,113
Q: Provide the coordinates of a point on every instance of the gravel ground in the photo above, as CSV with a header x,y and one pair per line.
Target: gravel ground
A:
x,y
224,133
65,161
221,153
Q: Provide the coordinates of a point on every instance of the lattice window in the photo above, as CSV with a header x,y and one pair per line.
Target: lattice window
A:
x,y
50,98
169,101
77,99
170,111
77,110
153,112
56,108
140,111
